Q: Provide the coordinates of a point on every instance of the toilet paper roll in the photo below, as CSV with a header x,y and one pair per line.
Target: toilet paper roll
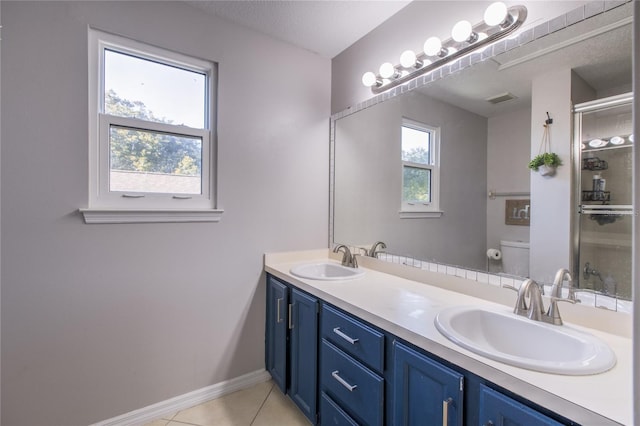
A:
x,y
494,254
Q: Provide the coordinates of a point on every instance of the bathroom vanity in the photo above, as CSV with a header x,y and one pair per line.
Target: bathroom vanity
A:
x,y
366,351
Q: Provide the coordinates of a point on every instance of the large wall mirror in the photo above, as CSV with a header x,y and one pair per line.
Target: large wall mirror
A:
x,y
482,118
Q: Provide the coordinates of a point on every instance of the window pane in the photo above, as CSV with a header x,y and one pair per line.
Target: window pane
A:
x,y
415,145
416,185
139,88
144,161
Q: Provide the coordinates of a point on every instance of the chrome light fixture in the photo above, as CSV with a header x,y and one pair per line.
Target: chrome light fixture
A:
x,y
499,21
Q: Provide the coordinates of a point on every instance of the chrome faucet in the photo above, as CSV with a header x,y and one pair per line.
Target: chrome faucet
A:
x,y
348,259
553,314
529,289
535,311
373,251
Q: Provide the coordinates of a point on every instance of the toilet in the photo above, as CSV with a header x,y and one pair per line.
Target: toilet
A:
x,y
515,257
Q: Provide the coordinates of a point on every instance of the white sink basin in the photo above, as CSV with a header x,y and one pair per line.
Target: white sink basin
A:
x,y
326,271
506,337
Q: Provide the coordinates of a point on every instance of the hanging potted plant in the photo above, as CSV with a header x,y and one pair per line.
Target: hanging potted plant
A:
x,y
546,161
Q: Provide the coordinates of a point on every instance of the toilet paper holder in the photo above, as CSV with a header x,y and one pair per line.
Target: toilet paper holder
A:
x,y
494,254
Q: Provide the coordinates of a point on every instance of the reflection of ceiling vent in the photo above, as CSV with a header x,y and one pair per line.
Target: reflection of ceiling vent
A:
x,y
502,97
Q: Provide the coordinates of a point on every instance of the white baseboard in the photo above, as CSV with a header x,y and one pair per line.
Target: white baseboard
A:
x,y
156,411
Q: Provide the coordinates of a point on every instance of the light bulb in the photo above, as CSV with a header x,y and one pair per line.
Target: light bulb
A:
x,y
597,143
369,79
433,46
408,59
462,31
495,14
387,70
616,140
631,138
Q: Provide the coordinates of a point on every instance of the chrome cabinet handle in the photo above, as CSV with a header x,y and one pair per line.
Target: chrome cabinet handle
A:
x,y
344,336
445,411
290,319
343,382
278,319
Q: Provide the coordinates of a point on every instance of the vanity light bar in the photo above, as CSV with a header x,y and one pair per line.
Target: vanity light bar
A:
x,y
499,22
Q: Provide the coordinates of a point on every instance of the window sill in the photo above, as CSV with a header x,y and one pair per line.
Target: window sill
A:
x,y
92,216
420,215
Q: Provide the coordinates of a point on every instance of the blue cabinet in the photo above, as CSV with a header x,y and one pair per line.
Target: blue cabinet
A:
x,y
357,390
276,331
425,391
351,370
291,345
304,353
497,409
348,372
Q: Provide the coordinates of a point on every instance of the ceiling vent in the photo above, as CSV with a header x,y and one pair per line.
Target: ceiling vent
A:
x,y
502,97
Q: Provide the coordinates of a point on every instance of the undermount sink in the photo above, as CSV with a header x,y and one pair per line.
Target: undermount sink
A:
x,y
503,336
326,271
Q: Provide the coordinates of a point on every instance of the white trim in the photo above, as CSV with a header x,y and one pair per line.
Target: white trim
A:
x,y
156,411
420,215
101,198
92,216
434,167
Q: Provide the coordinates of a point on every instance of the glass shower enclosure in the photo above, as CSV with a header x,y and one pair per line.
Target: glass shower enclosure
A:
x,y
603,172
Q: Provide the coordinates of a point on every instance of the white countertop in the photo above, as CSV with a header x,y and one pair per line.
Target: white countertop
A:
x,y
407,309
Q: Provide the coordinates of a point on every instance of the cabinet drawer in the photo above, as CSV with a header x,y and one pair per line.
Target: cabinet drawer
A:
x,y
358,390
497,409
353,337
332,415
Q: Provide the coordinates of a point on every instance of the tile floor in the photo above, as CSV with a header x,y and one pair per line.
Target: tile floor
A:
x,y
260,405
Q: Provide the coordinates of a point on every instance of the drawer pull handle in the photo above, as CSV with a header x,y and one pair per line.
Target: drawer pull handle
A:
x,y
445,411
278,319
344,336
343,382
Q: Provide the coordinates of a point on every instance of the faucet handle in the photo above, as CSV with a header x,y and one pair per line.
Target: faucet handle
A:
x,y
573,300
511,287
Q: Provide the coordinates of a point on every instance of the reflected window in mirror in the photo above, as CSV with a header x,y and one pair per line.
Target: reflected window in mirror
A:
x,y
420,166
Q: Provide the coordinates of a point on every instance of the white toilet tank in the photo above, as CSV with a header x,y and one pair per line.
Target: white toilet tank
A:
x,y
515,257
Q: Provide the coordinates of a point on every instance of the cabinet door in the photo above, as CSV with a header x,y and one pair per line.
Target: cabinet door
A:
x,y
497,409
276,331
304,353
424,391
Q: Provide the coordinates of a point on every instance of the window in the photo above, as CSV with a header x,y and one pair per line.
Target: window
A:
x,y
420,168
151,129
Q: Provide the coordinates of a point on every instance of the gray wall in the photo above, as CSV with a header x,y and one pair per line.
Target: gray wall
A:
x,y
369,182
551,196
508,152
99,320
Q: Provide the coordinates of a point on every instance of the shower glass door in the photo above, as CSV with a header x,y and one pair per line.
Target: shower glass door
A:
x,y
604,170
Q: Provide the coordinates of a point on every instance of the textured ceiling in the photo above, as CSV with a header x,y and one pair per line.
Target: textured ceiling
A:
x,y
326,27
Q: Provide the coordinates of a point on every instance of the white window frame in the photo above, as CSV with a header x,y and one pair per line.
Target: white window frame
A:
x,y
416,210
107,206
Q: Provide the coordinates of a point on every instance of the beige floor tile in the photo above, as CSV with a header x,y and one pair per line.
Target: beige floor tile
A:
x,y
159,422
236,409
280,410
